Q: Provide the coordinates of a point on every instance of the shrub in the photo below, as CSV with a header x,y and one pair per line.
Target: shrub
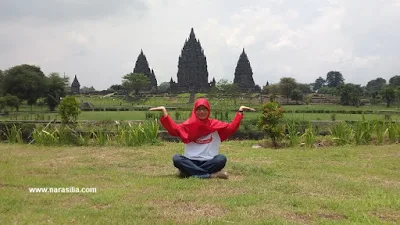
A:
x,y
293,133
309,136
270,121
69,110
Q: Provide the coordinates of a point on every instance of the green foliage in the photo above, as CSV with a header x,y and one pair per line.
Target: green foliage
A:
x,y
85,89
350,94
27,82
293,133
126,134
304,88
296,95
1,82
135,82
116,88
363,130
381,130
319,83
376,85
395,81
393,131
389,94
270,121
13,134
137,134
286,86
328,90
334,79
43,137
163,86
100,137
342,133
55,90
309,136
9,101
69,109
178,115
224,89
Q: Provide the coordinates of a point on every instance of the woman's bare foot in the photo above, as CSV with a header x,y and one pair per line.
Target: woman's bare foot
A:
x,y
220,174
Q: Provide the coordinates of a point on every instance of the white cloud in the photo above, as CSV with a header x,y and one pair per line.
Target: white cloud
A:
x,y
303,39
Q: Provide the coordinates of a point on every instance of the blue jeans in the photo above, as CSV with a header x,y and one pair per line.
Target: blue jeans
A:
x,y
199,169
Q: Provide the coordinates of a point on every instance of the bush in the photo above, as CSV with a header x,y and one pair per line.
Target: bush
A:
x,y
270,121
69,110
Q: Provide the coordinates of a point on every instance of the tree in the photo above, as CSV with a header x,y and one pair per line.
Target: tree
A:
x,y
163,87
85,89
227,89
389,94
375,85
12,101
27,82
395,81
350,94
117,88
271,89
328,90
304,88
213,93
319,83
334,79
286,86
296,95
55,90
1,81
257,88
135,82
375,98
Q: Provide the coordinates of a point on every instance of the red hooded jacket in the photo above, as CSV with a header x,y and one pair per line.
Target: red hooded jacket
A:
x,y
194,128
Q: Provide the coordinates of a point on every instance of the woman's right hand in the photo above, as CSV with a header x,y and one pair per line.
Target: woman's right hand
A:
x,y
160,108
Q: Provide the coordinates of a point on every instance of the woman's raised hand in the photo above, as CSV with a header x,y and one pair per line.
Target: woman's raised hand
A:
x,y
159,108
242,108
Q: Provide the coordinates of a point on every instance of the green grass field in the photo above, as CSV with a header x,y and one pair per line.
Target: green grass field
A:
x,y
346,185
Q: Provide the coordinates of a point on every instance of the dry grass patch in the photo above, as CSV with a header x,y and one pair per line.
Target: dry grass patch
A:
x,y
186,211
392,216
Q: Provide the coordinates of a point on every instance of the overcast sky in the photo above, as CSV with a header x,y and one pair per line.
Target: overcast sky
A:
x,y
99,40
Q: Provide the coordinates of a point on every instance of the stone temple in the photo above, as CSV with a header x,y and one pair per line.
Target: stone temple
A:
x,y
142,66
75,86
192,68
244,74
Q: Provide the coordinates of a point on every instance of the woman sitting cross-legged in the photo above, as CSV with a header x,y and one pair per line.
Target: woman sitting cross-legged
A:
x,y
202,138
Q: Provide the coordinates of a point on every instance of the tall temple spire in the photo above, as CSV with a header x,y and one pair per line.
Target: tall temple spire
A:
x,y
192,35
192,67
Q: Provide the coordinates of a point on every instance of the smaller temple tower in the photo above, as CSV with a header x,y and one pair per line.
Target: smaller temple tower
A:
x,y
75,86
243,73
142,66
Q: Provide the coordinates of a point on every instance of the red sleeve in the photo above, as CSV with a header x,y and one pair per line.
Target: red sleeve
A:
x,y
170,125
226,132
